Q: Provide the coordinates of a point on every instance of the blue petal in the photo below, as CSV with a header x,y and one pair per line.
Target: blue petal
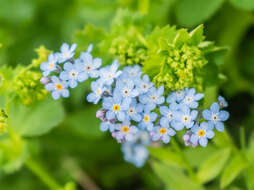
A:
x,y
215,107
219,126
207,114
203,141
223,115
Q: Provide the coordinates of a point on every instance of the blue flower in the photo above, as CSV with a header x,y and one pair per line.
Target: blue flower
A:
x,y
162,133
58,88
191,98
97,92
50,66
132,73
201,134
176,96
222,102
168,114
126,90
107,125
134,111
136,154
144,85
215,116
147,121
152,98
109,73
184,118
125,131
88,65
116,107
72,74
67,52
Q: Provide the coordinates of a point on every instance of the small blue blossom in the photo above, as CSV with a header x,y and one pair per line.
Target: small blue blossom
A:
x,y
152,98
97,92
184,118
109,73
215,116
107,125
72,74
126,90
168,114
58,88
125,131
147,120
50,66
201,134
116,107
88,65
222,102
144,85
176,96
132,73
134,111
191,98
67,52
162,133
136,154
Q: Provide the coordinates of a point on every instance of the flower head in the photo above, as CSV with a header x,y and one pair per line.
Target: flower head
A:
x,y
126,90
144,85
168,113
97,92
147,120
222,102
125,131
107,125
176,96
162,133
191,98
134,111
58,88
50,66
215,116
202,133
67,52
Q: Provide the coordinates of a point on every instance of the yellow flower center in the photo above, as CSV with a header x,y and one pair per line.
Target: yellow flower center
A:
x,y
98,92
146,118
59,86
51,65
125,129
163,130
116,107
201,133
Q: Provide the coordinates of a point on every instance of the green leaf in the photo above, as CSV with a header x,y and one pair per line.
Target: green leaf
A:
x,y
174,178
85,122
167,156
197,35
37,119
243,4
190,13
232,170
212,166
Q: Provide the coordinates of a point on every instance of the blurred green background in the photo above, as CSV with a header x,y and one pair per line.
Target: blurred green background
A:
x,y
76,150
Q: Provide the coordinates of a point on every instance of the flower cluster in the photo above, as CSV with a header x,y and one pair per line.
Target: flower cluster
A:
x,y
134,110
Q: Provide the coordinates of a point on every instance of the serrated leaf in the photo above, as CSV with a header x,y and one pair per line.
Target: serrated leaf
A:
x,y
181,37
85,122
167,156
190,13
232,170
174,178
243,4
197,35
36,119
213,165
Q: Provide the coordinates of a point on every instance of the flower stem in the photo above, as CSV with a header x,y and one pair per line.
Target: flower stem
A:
x,y
40,172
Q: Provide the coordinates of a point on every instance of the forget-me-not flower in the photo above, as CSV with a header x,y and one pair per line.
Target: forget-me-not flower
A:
x,y
109,73
97,92
168,113
126,90
162,133
184,118
144,85
134,111
147,120
107,125
215,116
153,97
201,134
125,131
72,74
176,96
67,52
50,66
58,88
133,73
116,106
191,98
222,102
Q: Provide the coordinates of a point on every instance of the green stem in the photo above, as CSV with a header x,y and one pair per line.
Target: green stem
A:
x,y
44,176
